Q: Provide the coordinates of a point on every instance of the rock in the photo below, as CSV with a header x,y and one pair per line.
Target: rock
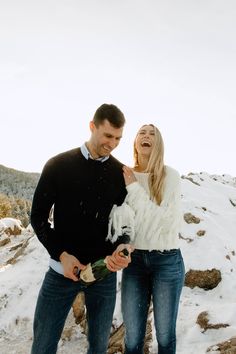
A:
x,y
201,232
4,241
205,279
11,226
227,347
203,322
191,219
116,340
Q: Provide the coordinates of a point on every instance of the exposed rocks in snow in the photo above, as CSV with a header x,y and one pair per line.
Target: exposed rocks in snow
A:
x,y
20,249
11,226
201,233
116,341
203,322
226,347
233,202
12,247
190,179
191,219
205,279
188,239
4,241
79,308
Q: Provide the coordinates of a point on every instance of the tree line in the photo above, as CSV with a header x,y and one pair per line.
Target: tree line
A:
x,y
16,193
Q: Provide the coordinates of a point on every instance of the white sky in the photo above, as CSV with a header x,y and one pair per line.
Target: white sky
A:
x,y
168,62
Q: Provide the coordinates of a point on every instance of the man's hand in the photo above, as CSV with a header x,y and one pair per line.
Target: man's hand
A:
x,y
118,260
70,265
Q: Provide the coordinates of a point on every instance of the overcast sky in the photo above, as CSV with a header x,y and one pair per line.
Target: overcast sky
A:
x,y
169,62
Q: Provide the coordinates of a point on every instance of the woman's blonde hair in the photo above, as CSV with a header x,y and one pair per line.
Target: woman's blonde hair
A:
x,y
155,167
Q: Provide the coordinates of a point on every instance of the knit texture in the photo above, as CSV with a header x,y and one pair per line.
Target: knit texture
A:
x,y
156,227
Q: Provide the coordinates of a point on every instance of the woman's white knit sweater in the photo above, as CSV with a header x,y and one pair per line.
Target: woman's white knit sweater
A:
x,y
150,226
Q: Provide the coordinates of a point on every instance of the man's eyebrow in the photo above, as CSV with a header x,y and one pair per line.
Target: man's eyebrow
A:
x,y
112,135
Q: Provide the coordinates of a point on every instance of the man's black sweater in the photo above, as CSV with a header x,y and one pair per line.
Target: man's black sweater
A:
x,y
83,193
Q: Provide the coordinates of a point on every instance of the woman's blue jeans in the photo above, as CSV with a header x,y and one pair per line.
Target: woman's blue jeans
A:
x,y
54,302
158,276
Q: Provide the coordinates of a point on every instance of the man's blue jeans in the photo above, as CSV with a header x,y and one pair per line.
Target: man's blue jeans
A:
x,y
54,302
158,276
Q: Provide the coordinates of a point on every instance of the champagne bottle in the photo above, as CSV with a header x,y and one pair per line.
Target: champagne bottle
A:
x,y
97,270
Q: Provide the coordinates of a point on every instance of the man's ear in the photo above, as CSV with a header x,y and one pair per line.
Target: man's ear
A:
x,y
92,126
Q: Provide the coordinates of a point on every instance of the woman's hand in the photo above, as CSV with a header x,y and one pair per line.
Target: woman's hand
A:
x,y
129,176
119,260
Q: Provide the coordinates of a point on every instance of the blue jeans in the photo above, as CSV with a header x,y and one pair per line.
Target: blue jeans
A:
x,y
54,302
158,276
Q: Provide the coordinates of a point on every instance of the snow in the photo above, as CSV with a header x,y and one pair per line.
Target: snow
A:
x,y
10,223
210,201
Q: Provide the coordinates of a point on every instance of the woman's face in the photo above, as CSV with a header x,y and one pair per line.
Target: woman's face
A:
x,y
144,141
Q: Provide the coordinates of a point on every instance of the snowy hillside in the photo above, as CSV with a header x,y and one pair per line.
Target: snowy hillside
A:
x,y
208,241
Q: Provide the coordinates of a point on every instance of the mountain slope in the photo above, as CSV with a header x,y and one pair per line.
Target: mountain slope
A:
x,y
17,183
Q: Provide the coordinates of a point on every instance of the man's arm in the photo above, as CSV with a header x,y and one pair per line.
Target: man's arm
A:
x,y
43,200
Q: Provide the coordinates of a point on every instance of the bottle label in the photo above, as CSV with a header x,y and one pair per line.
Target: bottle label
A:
x,y
87,274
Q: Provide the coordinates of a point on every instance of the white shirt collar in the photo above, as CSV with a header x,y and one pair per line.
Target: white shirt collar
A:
x,y
87,155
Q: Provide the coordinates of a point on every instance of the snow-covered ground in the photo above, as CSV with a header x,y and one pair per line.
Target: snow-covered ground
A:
x,y
213,200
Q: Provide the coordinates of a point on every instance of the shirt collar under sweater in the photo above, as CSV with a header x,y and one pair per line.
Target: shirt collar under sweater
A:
x,y
87,155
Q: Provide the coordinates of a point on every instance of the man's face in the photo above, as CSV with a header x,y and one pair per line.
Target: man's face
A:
x,y
104,139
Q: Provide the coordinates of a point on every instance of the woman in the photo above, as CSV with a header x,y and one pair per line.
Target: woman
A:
x,y
156,271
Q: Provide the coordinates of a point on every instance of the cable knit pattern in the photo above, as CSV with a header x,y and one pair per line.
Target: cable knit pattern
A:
x,y
156,227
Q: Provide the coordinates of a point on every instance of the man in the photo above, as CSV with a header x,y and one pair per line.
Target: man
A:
x,y
82,184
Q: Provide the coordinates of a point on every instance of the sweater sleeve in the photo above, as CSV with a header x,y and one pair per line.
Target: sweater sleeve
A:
x,y
43,200
121,224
